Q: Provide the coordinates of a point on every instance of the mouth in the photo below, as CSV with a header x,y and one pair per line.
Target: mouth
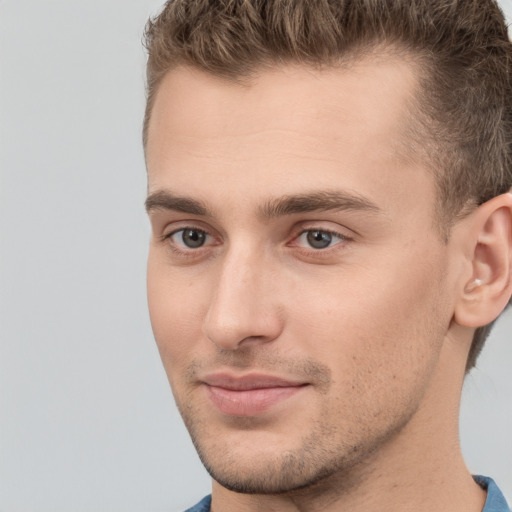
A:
x,y
249,395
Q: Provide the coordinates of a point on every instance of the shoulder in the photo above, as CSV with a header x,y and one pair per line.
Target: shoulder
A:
x,y
495,501
202,506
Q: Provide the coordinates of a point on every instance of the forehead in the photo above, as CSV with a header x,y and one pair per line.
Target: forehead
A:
x,y
346,124
377,92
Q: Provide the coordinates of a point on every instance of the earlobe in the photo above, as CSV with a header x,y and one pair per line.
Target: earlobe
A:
x,y
488,290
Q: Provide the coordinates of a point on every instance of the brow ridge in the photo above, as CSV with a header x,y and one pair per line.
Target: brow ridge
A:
x,y
316,202
165,200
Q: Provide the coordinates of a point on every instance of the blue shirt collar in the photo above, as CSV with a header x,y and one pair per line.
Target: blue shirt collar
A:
x,y
495,501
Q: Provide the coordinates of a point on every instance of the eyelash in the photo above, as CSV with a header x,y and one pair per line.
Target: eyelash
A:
x,y
194,253
190,253
335,234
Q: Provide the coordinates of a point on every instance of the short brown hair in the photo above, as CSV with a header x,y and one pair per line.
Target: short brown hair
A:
x,y
462,46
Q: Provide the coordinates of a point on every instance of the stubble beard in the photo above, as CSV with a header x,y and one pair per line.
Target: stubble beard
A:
x,y
333,456
321,463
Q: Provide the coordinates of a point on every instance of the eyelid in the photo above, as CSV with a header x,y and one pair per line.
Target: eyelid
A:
x,y
169,235
344,236
329,227
182,251
319,255
334,234
174,227
324,230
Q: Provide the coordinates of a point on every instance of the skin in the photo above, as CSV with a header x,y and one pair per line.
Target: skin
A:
x,y
369,324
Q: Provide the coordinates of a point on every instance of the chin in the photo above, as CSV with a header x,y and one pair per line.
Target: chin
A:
x,y
284,473
272,467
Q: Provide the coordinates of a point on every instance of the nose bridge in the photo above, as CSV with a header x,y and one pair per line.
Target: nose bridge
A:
x,y
242,307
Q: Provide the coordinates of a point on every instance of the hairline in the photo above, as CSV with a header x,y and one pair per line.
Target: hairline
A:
x,y
371,50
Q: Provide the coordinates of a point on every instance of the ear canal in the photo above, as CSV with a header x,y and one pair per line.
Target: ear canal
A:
x,y
473,285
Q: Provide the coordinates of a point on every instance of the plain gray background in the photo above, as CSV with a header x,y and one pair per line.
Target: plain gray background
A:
x,y
87,420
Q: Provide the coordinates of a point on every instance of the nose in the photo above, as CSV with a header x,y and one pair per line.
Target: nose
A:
x,y
243,309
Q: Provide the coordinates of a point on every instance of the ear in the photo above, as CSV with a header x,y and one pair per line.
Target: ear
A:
x,y
488,290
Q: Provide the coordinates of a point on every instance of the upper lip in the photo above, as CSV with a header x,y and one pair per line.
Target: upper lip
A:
x,y
248,381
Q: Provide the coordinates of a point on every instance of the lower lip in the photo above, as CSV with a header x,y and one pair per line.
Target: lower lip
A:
x,y
249,402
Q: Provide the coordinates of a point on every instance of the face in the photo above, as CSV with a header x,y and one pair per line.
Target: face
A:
x,y
297,284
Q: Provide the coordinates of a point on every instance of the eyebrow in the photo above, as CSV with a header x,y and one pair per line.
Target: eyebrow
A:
x,y
164,200
319,201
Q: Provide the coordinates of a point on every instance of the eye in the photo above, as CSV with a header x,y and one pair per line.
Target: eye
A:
x,y
188,238
320,239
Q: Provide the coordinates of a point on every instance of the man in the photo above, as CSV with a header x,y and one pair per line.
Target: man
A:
x,y
328,192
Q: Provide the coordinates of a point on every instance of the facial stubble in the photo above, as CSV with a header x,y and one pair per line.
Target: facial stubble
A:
x,y
321,455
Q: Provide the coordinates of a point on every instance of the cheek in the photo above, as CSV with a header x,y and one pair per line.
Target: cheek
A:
x,y
176,308
377,330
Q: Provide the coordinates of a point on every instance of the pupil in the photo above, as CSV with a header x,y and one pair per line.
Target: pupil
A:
x,y
193,238
319,239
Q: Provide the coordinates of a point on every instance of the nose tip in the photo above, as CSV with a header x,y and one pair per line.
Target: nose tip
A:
x,y
232,330
243,310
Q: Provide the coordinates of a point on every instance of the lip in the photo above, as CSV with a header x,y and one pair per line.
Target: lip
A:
x,y
248,395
